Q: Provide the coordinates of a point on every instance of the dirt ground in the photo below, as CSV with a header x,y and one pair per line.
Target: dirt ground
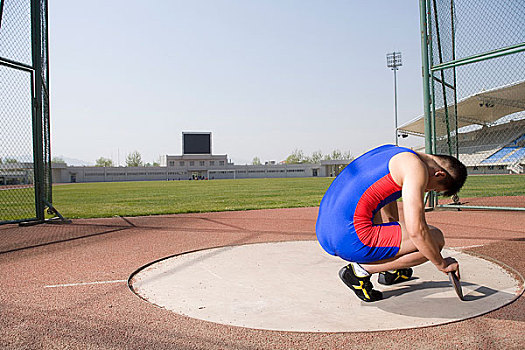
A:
x,y
65,286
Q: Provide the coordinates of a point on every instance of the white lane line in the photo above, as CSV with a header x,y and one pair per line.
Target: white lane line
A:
x,y
84,284
468,246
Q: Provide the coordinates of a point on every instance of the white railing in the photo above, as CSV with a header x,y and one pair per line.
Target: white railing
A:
x,y
516,168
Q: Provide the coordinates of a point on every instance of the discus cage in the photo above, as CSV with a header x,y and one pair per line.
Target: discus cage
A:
x,y
473,64
25,152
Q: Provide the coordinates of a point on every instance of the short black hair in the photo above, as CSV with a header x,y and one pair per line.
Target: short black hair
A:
x,y
456,173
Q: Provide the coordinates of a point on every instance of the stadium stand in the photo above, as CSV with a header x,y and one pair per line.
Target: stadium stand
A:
x,y
491,129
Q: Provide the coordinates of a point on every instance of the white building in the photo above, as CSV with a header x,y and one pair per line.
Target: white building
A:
x,y
195,167
196,163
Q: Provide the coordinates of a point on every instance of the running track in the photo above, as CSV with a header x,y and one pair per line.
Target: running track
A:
x,y
65,286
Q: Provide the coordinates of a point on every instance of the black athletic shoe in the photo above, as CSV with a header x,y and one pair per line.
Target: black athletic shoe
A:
x,y
361,286
397,276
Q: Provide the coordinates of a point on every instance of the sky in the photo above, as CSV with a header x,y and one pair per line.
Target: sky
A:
x,y
266,77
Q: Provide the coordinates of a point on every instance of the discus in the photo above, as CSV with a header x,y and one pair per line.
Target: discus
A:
x,y
456,284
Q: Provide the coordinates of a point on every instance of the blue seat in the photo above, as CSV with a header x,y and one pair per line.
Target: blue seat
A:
x,y
514,157
498,155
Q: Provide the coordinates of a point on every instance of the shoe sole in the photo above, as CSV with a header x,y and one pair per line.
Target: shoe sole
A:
x,y
352,287
341,274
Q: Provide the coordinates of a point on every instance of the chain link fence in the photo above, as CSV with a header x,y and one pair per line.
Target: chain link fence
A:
x,y
25,173
476,53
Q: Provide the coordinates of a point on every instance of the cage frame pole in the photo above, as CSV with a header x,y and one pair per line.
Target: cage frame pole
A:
x,y
425,70
504,51
36,82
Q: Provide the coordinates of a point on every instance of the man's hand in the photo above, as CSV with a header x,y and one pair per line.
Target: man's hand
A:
x,y
449,265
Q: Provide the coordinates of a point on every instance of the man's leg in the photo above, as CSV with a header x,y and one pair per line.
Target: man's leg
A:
x,y
408,254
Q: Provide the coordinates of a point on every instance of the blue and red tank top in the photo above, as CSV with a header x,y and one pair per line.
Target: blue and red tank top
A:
x,y
344,223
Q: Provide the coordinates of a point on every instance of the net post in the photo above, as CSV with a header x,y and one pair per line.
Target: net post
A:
x,y
38,158
425,70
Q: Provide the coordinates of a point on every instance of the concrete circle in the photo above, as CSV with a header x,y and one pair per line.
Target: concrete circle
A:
x,y
294,286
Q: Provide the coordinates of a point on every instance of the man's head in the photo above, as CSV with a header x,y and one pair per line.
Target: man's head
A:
x,y
453,176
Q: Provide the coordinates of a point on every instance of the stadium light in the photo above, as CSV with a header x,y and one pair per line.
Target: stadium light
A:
x,y
393,61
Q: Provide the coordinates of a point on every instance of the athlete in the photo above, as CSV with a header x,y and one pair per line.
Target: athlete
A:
x,y
350,224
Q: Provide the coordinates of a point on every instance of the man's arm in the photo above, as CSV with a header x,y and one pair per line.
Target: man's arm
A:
x,y
414,177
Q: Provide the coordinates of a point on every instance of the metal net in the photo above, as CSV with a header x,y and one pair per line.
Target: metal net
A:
x,y
477,63
24,111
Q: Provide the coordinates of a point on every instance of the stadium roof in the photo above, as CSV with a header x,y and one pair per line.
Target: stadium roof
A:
x,y
482,108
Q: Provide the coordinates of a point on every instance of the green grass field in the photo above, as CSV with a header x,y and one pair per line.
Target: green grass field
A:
x,y
90,200
163,197
17,203
494,185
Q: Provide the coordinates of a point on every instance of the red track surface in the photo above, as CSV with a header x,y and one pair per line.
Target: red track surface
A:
x,y
110,316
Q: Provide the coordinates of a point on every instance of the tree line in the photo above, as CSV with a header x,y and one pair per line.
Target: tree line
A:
x,y
8,160
299,157
133,159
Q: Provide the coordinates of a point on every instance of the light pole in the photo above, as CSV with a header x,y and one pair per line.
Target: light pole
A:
x,y
393,61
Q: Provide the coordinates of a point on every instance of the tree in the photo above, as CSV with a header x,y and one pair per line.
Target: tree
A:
x,y
348,155
10,161
256,161
134,159
151,164
297,157
58,160
104,162
316,158
338,155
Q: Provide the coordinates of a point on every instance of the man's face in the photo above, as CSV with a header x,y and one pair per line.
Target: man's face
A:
x,y
435,182
436,188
